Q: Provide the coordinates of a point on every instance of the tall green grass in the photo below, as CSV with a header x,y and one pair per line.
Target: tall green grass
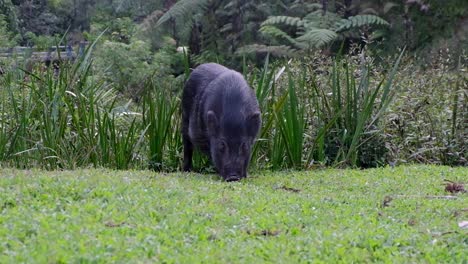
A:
x,y
64,120
161,118
291,121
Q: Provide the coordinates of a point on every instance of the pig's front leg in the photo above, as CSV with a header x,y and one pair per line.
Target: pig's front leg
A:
x,y
188,152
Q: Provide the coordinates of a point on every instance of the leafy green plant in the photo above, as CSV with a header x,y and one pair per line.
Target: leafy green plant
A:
x,y
330,121
125,65
65,119
270,145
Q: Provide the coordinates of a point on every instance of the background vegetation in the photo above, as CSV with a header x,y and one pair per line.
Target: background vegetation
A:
x,y
334,85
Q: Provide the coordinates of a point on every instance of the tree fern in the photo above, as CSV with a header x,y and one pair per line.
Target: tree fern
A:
x,y
284,20
359,21
317,37
182,10
273,31
317,19
315,29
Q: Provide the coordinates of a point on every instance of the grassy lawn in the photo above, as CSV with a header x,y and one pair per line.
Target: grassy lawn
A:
x,y
100,216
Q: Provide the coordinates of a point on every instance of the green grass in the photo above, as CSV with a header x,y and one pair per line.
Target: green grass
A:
x,y
329,216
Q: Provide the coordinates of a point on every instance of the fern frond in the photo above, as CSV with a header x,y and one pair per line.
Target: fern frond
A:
x,y
273,31
226,28
317,37
278,51
284,20
359,21
182,9
317,19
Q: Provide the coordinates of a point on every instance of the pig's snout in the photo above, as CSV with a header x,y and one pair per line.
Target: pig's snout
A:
x,y
232,178
232,172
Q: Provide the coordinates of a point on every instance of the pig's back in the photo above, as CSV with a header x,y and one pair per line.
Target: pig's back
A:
x,y
194,99
204,74
197,83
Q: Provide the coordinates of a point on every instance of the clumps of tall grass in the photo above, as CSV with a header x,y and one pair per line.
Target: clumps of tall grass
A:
x,y
310,122
162,120
65,119
70,118
428,122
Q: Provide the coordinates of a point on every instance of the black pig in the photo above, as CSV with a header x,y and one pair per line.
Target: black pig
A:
x,y
221,117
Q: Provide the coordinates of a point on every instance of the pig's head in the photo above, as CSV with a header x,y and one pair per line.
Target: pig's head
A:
x,y
231,138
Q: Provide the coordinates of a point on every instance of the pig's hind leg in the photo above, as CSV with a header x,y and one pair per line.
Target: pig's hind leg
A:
x,y
187,104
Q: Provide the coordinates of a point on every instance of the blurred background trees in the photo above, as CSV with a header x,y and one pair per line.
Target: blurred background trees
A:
x,y
217,29
147,33
144,35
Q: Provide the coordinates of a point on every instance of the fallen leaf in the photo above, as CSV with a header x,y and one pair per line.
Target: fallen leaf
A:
x,y
386,201
112,224
454,187
289,189
264,232
412,222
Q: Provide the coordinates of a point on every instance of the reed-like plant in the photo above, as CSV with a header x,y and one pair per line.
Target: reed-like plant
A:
x,y
291,121
159,110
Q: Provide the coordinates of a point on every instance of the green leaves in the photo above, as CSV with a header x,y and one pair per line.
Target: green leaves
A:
x,y
67,119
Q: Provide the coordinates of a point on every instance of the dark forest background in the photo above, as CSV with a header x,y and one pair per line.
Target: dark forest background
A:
x,y
224,29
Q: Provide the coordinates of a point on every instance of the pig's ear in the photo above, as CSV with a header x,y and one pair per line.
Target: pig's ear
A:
x,y
212,123
253,123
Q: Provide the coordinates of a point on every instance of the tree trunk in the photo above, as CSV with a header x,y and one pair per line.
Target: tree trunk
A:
x,y
347,6
324,6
